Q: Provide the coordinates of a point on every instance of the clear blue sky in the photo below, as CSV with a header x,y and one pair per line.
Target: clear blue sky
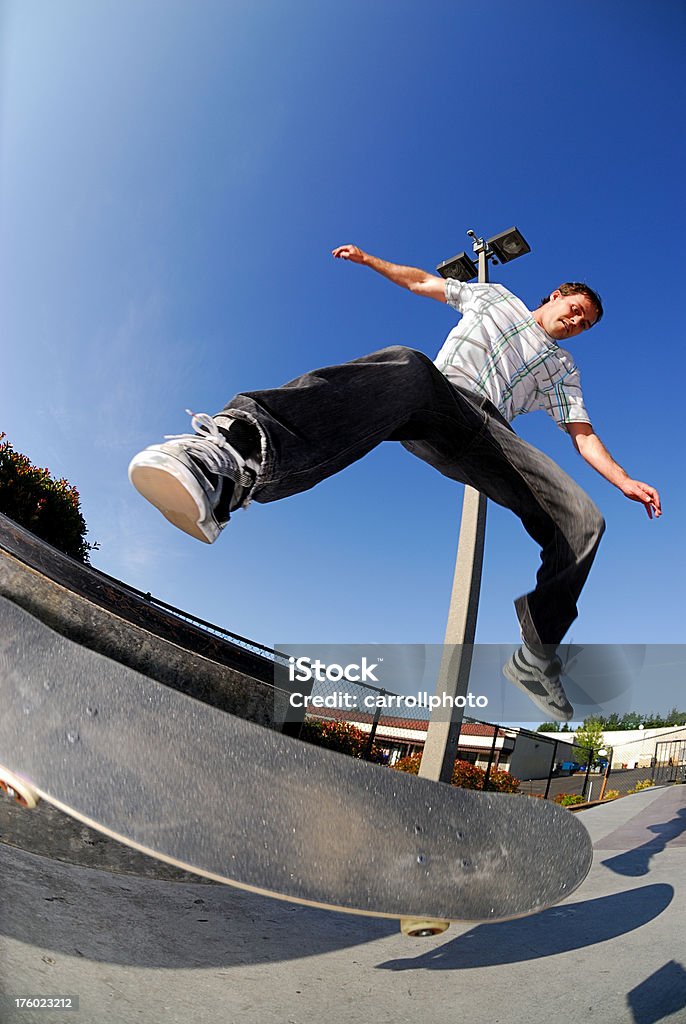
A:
x,y
173,176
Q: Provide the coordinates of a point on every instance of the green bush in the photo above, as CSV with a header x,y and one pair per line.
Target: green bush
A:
x,y
569,799
645,784
47,507
611,794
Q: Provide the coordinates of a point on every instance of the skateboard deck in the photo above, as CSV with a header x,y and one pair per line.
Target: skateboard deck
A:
x,y
241,804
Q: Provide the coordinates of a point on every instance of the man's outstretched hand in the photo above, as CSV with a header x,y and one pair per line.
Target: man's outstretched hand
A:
x,y
648,496
412,278
349,252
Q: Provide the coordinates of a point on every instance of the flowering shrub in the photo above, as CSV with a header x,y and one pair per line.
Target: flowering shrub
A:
x,y
466,775
568,799
47,507
502,782
409,764
340,736
611,794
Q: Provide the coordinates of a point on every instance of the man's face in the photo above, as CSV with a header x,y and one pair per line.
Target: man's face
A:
x,y
565,316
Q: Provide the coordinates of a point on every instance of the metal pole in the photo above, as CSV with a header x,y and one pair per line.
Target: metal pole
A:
x,y
588,771
607,772
551,770
372,732
440,749
492,755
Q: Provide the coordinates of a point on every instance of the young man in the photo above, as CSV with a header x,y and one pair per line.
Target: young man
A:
x,y
499,361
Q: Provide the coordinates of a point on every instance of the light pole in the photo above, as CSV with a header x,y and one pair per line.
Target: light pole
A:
x,y
443,732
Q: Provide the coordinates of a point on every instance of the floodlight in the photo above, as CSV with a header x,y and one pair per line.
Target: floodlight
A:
x,y
508,245
460,267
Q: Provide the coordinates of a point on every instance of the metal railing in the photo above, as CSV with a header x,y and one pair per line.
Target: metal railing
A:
x,y
194,620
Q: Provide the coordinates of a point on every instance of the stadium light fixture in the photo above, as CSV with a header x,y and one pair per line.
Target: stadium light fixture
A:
x,y
508,245
460,267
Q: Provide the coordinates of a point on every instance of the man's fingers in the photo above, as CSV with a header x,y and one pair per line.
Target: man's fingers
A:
x,y
653,498
648,497
343,251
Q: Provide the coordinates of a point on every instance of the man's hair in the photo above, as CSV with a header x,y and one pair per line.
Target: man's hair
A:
x,y
579,288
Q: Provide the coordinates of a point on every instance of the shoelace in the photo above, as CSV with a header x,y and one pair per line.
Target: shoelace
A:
x,y
556,689
207,439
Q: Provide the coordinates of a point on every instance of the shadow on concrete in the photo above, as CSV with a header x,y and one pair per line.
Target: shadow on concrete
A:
x,y
660,995
635,863
558,930
77,912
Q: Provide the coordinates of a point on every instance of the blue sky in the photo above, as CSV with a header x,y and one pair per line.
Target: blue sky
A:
x,y
173,177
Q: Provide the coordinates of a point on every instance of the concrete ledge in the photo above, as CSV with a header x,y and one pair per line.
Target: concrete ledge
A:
x,y
104,615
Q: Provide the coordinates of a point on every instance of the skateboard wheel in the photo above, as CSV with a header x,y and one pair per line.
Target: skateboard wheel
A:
x,y
423,927
21,791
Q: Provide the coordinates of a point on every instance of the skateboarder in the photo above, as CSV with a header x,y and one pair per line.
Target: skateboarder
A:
x,y
500,360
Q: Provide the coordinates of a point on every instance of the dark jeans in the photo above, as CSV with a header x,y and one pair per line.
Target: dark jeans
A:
x,y
319,423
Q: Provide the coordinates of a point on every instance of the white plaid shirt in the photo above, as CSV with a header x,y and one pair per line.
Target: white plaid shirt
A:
x,y
499,351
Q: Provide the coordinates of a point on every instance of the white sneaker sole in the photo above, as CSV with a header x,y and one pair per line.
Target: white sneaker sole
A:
x,y
173,490
550,712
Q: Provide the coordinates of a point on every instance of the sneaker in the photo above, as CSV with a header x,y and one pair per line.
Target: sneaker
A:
x,y
541,685
195,480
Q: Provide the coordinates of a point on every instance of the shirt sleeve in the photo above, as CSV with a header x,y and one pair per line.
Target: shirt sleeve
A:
x,y
564,401
456,294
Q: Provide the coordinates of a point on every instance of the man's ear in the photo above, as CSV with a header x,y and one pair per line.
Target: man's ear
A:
x,y
556,294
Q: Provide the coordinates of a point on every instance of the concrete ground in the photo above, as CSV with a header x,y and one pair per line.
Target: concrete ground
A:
x,y
137,949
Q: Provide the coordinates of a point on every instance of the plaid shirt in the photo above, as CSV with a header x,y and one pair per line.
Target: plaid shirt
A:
x,y
499,351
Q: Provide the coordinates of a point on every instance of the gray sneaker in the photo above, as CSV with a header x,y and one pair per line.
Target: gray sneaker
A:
x,y
542,686
195,480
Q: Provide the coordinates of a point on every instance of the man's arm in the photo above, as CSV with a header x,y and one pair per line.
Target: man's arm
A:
x,y
592,449
412,278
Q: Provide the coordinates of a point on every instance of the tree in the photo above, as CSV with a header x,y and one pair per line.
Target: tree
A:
x,y
549,727
48,507
632,720
676,717
590,738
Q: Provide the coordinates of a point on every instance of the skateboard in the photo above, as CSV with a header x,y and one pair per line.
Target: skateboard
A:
x,y
241,804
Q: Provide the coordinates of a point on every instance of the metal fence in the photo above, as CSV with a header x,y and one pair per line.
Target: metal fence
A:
x,y
654,760
208,627
388,730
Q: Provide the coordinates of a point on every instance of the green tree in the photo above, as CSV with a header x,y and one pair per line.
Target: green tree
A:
x,y
589,738
549,727
46,506
632,720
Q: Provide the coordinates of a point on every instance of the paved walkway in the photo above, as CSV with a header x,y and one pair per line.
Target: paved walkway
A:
x,y
145,950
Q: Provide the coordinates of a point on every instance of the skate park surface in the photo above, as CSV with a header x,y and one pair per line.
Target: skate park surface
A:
x,y
134,947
